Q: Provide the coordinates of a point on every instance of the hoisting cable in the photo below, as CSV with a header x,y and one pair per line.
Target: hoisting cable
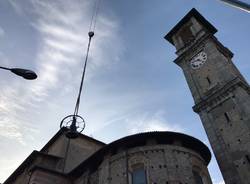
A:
x,y
73,124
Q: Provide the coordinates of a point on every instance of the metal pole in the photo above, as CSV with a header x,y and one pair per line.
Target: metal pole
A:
x,y
238,4
66,155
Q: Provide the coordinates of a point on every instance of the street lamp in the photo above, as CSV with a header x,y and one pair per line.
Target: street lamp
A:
x,y
26,74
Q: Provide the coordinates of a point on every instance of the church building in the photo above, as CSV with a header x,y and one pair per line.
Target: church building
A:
x,y
222,100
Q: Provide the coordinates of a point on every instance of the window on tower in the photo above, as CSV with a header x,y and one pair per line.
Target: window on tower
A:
x,y
186,34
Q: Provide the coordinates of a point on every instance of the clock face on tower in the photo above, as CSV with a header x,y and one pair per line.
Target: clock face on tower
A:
x,y
198,60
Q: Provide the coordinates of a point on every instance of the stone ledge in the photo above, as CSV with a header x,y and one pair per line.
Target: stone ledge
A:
x,y
221,94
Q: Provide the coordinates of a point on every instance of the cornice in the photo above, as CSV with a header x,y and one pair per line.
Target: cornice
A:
x,y
194,46
219,94
191,48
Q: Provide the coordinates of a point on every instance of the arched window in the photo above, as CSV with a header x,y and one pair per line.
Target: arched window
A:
x,y
186,34
139,176
197,178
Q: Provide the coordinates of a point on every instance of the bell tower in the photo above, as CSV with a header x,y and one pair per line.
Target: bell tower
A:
x,y
221,94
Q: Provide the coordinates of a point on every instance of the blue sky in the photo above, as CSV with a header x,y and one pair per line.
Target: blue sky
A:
x,y
132,85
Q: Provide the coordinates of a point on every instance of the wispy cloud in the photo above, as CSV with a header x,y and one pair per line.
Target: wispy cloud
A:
x,y
62,28
147,122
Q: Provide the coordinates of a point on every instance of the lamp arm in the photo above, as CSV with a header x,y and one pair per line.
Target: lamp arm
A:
x,y
4,68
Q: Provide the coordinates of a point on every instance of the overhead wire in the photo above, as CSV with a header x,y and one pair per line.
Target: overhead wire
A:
x,y
94,16
96,13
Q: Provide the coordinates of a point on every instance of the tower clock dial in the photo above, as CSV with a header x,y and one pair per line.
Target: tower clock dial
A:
x,y
198,60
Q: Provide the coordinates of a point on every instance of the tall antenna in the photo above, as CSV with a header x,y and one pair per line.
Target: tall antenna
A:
x,y
74,122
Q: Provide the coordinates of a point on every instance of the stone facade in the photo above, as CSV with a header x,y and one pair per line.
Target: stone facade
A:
x,y
164,157
165,162
57,157
220,92
162,163
44,176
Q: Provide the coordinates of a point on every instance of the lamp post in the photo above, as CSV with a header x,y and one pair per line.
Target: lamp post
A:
x,y
26,74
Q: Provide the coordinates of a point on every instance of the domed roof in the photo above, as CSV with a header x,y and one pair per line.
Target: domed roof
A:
x,y
162,137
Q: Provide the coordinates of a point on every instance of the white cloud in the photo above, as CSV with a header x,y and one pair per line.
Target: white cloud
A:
x,y
155,122
56,31
62,27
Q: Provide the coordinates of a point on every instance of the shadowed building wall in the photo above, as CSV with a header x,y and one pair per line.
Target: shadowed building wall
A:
x,y
154,157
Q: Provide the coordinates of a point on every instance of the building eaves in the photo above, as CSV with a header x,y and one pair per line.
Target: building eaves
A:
x,y
26,163
36,167
192,13
163,137
64,130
